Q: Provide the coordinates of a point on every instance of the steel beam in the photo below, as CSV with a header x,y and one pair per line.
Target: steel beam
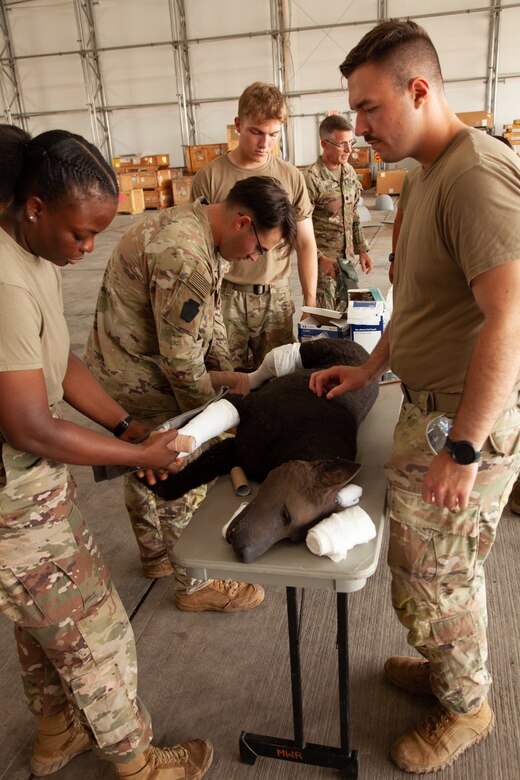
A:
x,y
94,89
9,80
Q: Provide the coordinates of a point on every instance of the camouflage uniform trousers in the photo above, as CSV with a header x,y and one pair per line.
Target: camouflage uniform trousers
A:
x,y
75,642
437,556
255,324
158,525
327,294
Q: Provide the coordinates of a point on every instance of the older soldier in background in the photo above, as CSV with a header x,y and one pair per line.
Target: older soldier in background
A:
x,y
334,191
158,331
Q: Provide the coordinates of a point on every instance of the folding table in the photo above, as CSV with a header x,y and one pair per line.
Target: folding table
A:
x,y
204,552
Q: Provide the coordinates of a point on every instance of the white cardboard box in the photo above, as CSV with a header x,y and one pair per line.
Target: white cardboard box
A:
x,y
367,335
310,328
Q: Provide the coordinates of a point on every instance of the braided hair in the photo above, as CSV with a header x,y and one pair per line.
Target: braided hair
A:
x,y
51,165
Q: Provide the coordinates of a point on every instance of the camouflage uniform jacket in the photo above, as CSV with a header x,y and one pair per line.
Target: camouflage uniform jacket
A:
x,y
335,218
158,327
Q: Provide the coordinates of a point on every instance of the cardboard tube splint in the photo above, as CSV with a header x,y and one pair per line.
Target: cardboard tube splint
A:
x,y
239,480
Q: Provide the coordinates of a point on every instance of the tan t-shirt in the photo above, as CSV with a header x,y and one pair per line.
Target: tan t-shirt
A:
x,y
214,181
462,217
33,331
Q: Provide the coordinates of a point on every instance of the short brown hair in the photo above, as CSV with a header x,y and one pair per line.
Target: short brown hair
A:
x,y
262,101
402,46
334,122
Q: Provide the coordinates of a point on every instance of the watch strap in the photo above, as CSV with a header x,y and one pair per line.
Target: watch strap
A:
x,y
121,427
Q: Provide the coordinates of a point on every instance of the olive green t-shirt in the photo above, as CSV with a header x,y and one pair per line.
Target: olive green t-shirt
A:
x,y
33,331
462,217
214,181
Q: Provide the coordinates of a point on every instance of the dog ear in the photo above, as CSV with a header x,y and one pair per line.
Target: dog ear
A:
x,y
337,473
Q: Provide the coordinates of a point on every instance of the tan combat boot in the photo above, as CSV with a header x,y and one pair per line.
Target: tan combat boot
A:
x,y
221,596
188,761
58,739
156,569
442,738
409,674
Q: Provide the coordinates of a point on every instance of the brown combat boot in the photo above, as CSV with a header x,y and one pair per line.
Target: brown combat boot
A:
x,y
156,569
409,674
59,738
221,596
442,738
514,501
189,761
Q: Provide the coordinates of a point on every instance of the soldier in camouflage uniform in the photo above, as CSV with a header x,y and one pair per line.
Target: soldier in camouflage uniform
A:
x,y
75,642
453,341
334,191
257,305
158,331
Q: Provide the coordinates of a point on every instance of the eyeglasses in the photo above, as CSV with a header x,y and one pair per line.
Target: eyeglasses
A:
x,y
345,145
259,248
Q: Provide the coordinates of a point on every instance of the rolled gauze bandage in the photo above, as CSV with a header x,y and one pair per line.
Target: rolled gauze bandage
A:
x,y
278,362
215,419
338,533
239,480
349,495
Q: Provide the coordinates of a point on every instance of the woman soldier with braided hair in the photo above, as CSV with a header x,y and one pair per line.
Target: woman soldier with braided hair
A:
x,y
74,639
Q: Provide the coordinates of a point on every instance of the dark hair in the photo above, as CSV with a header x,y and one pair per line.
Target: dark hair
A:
x,y
268,203
334,122
505,141
50,165
403,46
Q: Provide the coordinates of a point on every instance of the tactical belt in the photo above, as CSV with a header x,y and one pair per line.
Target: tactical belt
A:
x,y
258,289
429,401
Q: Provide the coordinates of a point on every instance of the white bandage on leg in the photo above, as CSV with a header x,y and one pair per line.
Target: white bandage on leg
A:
x,y
349,495
215,419
338,533
278,362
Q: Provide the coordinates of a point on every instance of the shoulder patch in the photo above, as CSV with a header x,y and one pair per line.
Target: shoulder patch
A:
x,y
190,310
199,284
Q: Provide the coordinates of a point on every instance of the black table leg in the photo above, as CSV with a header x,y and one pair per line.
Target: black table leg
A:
x,y
344,759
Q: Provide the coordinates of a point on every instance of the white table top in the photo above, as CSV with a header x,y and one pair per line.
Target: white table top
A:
x,y
204,552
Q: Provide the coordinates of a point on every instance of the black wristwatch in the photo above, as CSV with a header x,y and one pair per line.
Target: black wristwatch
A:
x,y
122,426
391,257
462,452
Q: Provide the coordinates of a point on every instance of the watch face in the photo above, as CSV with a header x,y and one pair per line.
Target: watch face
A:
x,y
463,452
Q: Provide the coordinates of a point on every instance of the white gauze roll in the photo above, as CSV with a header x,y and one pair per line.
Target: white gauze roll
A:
x,y
339,532
278,362
349,495
215,419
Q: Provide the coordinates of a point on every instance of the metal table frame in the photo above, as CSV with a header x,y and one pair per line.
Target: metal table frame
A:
x,y
205,554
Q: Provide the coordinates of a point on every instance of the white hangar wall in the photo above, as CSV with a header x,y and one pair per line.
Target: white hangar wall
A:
x,y
228,44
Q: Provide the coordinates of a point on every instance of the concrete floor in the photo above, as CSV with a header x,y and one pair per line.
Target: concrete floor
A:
x,y
214,675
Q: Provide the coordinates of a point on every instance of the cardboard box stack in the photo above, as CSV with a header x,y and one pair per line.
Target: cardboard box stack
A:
x,y
198,156
360,161
512,133
477,119
390,182
149,175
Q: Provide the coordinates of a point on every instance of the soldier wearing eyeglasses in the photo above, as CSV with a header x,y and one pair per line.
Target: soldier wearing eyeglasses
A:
x,y
334,191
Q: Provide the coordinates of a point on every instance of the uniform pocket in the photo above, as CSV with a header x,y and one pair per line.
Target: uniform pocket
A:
x,y
429,543
103,697
458,643
505,436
